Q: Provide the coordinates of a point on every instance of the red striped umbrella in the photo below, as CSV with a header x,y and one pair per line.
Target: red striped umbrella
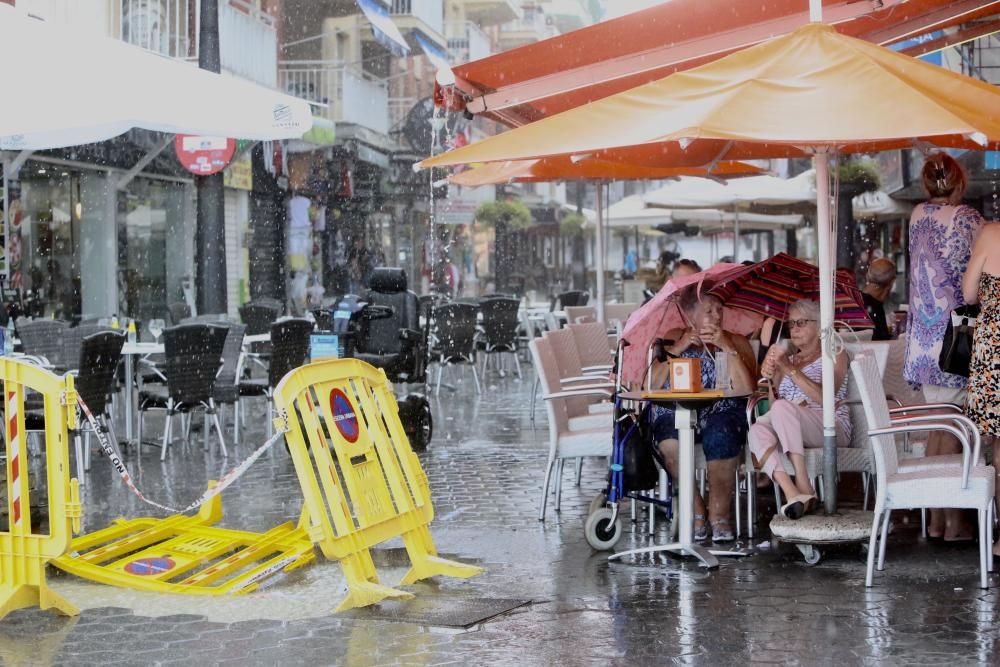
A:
x,y
770,287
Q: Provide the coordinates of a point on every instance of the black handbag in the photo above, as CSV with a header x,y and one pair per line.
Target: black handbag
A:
x,y
639,465
956,349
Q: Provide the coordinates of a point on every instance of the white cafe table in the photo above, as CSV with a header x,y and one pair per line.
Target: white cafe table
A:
x,y
685,416
129,352
257,338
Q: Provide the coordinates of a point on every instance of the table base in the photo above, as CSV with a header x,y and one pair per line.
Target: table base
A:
x,y
706,556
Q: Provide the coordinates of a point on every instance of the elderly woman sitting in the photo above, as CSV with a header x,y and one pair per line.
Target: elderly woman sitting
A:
x,y
722,426
795,420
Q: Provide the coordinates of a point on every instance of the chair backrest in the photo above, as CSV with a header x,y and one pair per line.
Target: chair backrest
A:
x,y
178,312
289,347
619,312
571,298
73,340
579,314
231,351
547,370
387,287
894,382
259,316
456,329
864,368
879,352
563,346
324,319
193,356
500,322
592,344
45,338
99,354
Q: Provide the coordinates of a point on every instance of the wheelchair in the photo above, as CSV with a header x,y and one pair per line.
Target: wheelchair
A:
x,y
383,328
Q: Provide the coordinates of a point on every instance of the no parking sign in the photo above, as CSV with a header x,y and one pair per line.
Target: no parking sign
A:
x,y
343,416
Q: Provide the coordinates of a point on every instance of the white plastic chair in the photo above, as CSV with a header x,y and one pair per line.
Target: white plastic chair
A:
x,y
962,485
565,443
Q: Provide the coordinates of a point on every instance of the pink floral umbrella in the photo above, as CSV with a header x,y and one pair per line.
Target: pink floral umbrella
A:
x,y
663,313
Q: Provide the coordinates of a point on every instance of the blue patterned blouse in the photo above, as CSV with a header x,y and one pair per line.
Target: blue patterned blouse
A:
x,y
941,240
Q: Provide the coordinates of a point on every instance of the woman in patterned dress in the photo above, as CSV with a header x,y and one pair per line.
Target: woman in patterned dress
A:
x,y
982,285
723,426
941,235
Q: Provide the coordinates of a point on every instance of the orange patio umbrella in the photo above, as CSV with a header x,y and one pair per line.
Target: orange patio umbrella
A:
x,y
811,92
563,168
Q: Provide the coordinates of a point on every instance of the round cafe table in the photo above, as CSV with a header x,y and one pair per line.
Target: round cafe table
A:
x,y
685,416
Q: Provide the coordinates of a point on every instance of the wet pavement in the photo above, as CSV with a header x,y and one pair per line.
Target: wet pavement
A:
x,y
485,465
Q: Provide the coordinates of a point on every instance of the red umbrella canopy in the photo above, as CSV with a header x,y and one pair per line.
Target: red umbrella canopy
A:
x,y
769,287
663,313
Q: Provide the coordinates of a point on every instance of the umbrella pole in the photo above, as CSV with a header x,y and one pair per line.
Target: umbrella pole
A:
x,y
826,330
600,252
736,234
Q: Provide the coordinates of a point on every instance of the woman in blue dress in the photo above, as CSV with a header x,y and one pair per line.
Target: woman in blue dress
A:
x,y
722,427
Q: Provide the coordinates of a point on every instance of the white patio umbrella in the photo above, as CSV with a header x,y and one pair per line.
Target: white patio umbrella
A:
x,y
62,88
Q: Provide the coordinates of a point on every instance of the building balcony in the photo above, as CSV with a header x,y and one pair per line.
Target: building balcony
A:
x,y
467,42
248,36
351,96
491,12
533,27
422,16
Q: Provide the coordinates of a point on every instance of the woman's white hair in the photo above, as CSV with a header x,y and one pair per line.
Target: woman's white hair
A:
x,y
805,307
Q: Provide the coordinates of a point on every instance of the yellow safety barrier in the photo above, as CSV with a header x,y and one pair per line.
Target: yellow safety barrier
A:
x,y
24,548
362,483
187,554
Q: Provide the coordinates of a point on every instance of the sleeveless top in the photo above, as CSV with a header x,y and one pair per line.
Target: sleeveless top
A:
x,y
790,391
983,403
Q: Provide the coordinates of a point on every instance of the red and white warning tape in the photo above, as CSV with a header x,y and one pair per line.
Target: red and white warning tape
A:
x,y
14,451
111,451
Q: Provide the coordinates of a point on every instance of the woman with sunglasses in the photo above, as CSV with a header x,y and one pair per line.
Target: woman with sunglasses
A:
x,y
795,420
722,426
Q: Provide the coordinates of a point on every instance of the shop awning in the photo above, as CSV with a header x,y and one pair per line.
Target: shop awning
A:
x,y
65,89
564,72
385,31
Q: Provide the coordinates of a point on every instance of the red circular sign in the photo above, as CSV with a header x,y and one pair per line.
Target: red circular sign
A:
x,y
343,416
204,156
147,567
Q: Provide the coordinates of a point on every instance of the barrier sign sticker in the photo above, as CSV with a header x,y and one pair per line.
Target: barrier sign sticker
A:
x,y
145,567
342,414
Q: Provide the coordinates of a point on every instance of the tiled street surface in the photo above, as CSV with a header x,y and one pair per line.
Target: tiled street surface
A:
x,y
485,467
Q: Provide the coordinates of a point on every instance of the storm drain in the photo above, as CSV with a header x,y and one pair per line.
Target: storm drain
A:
x,y
440,611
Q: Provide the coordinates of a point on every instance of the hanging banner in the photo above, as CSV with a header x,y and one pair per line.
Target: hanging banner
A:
x,y
204,156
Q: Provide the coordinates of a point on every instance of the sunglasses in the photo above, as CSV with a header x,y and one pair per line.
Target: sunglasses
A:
x,y
798,323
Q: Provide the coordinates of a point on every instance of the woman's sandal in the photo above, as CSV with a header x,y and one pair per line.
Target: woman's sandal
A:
x,y
700,532
798,506
722,531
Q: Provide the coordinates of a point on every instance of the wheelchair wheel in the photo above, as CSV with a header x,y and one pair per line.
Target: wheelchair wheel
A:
x,y
600,532
599,501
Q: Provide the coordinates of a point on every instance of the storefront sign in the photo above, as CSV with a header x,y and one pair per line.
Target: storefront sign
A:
x,y
239,175
204,156
456,211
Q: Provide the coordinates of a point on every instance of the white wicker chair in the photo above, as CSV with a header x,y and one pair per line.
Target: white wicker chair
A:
x,y
945,485
565,443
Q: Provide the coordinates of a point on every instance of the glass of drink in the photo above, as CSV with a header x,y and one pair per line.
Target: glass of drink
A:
x,y
156,328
